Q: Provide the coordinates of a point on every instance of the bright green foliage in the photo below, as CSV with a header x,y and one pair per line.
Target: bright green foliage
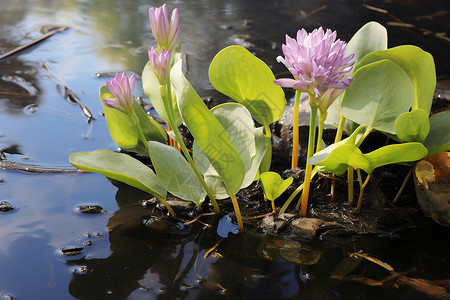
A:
x,y
418,65
438,140
175,173
371,37
412,126
273,185
153,91
124,132
380,92
121,167
237,73
350,155
324,153
208,132
250,143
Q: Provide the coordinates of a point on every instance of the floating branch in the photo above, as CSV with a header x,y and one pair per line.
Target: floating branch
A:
x,y
33,42
68,93
11,165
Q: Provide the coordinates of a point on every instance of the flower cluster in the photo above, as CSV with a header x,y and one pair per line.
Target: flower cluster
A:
x,y
317,62
121,87
160,63
166,33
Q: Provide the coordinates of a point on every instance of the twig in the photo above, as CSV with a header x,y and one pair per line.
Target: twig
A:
x,y
400,191
198,217
71,95
382,264
11,165
212,248
33,42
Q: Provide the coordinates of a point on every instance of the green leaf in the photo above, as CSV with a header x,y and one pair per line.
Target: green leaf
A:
x,y
412,126
350,155
121,167
152,90
208,132
418,65
341,167
371,37
238,123
273,185
214,181
438,140
237,73
380,92
175,173
124,132
262,143
397,153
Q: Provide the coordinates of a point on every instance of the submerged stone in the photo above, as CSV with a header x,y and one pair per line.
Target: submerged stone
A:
x,y
6,206
90,209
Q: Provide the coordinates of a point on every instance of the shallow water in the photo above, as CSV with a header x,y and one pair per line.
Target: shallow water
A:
x,y
122,257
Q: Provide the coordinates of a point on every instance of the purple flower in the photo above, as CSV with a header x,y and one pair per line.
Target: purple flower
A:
x,y
166,34
317,62
121,87
160,63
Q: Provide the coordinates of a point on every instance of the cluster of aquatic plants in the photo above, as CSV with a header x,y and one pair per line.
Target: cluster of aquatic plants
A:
x,y
229,152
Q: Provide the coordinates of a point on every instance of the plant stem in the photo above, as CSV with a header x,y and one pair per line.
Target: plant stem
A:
x,y
311,140
169,208
295,135
322,117
237,211
179,139
273,207
358,172
295,193
350,185
400,191
340,129
337,139
361,192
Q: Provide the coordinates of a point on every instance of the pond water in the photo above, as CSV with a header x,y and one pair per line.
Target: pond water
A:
x,y
122,258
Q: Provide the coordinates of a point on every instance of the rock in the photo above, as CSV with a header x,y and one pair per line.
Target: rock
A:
x,y
6,206
305,228
71,250
90,209
272,226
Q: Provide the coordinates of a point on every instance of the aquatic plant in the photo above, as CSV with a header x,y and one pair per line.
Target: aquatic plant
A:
x,y
319,66
229,152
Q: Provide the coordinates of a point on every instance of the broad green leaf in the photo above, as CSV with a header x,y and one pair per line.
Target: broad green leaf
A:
x,y
238,123
273,185
123,131
371,37
208,132
418,65
175,173
262,143
267,159
350,155
397,153
412,126
152,90
438,140
340,158
214,181
237,73
380,92
121,167
324,153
